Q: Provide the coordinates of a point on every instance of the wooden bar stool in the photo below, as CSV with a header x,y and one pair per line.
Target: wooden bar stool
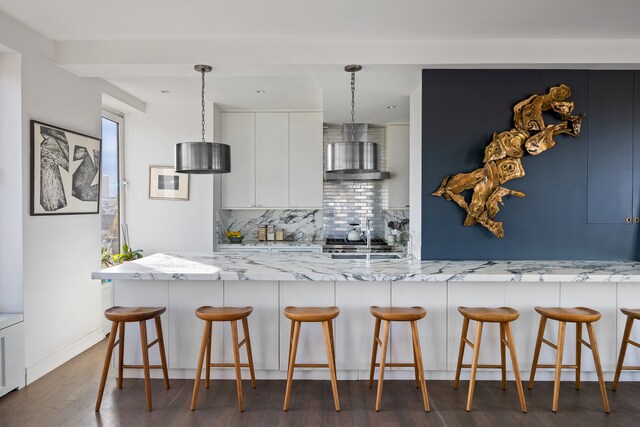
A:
x,y
120,316
504,316
577,315
224,314
297,315
632,314
397,314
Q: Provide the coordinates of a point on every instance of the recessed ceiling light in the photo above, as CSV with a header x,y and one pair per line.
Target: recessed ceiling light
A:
x,y
165,91
391,107
261,91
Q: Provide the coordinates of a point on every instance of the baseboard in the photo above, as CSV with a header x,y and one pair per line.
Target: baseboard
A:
x,y
51,361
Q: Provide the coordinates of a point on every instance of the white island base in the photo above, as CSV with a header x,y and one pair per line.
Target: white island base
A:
x,y
439,331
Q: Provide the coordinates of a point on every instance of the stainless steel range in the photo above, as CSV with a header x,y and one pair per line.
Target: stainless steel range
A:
x,y
346,246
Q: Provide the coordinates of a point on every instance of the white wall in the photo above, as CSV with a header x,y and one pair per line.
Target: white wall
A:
x,y
10,185
163,225
415,171
62,305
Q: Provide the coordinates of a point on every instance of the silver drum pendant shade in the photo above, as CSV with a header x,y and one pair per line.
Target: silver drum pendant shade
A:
x,y
202,157
353,160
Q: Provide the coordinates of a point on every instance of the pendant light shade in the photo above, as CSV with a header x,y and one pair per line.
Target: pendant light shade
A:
x,y
202,157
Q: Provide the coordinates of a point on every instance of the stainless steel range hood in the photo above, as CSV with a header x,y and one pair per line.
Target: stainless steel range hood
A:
x,y
355,158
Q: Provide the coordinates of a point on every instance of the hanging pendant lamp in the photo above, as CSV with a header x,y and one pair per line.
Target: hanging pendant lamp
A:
x,y
202,157
350,159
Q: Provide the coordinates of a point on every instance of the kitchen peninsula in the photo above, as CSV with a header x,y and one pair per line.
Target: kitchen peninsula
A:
x,y
271,281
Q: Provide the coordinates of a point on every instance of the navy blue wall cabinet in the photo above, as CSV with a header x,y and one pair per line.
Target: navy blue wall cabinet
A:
x,y
561,217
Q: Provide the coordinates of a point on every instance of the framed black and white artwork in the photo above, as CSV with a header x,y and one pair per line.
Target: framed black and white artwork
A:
x,y
166,184
65,171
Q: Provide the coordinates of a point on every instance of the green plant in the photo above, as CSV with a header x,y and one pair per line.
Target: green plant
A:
x,y
105,258
127,253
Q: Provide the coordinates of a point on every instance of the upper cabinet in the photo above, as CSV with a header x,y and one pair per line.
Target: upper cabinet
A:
x,y
611,188
397,138
276,159
305,160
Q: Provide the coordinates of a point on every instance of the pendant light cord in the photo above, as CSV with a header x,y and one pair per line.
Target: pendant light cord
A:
x,y
353,106
203,71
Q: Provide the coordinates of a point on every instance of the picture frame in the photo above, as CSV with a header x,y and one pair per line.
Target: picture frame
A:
x,y
167,184
65,171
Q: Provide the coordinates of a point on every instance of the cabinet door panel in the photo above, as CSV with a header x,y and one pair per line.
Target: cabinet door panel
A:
x,y
628,295
238,186
636,144
398,155
305,161
263,321
272,160
610,147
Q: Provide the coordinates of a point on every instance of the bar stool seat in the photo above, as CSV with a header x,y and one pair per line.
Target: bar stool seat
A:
x,y
311,314
490,314
120,316
297,315
224,314
398,314
566,314
631,312
504,316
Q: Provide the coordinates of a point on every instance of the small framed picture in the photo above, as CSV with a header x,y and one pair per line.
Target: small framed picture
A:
x,y
65,171
166,184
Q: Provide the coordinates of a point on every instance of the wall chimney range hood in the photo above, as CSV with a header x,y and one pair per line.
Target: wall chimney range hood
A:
x,y
354,158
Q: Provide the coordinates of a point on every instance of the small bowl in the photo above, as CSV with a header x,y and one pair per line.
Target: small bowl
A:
x,y
235,239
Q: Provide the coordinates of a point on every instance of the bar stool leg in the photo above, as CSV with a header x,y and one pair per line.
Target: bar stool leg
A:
x,y
556,383
207,364
514,364
332,365
417,352
206,331
474,364
236,359
596,360
536,353
374,352
245,327
145,362
503,357
333,348
163,356
463,336
121,354
623,351
107,362
293,348
415,367
578,353
383,357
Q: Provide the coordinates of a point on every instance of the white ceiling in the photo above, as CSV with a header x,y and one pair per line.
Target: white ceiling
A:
x,y
301,87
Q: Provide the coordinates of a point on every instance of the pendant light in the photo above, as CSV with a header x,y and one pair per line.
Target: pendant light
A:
x,y
351,159
202,157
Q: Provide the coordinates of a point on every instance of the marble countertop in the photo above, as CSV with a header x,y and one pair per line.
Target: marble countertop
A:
x,y
316,266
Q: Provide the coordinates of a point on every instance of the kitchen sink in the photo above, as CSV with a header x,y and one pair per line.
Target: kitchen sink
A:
x,y
365,256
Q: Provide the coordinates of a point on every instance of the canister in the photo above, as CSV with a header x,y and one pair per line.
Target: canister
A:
x,y
271,232
262,233
279,234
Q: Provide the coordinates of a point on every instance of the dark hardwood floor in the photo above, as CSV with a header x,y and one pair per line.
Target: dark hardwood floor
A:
x,y
66,397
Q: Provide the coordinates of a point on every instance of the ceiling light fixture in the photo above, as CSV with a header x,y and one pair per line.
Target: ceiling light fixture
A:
x,y
202,157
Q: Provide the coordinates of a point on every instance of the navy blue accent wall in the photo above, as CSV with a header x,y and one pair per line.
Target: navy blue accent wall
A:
x,y
460,111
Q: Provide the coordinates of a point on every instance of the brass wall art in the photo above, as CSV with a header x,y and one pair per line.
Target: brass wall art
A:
x,y
502,157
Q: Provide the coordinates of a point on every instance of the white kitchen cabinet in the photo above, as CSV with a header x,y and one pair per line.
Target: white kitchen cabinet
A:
x,y
628,297
397,141
354,326
238,186
432,329
276,159
310,344
272,159
12,370
263,297
305,160
183,345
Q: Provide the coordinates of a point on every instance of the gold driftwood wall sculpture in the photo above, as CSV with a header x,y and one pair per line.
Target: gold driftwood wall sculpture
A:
x,y
502,157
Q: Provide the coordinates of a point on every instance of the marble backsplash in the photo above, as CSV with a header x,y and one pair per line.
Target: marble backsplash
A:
x,y
303,225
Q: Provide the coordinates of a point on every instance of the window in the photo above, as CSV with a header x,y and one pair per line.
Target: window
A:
x,y
110,195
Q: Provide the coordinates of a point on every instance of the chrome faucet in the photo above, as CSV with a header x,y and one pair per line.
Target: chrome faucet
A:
x,y
368,229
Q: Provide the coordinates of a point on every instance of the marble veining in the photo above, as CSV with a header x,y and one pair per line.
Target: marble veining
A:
x,y
303,225
313,266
